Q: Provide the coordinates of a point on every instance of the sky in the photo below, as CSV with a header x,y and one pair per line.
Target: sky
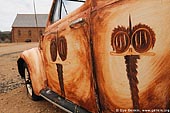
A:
x,y
10,8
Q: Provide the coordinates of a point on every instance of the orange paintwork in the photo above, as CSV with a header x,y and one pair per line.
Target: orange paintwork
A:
x,y
101,18
34,60
153,71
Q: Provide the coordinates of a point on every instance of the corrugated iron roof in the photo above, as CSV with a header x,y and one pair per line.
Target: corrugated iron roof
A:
x,y
28,20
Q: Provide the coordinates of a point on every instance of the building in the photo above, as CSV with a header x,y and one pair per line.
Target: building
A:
x,y
25,29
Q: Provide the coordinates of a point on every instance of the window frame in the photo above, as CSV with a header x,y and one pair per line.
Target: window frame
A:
x,y
57,8
56,11
19,32
29,33
40,32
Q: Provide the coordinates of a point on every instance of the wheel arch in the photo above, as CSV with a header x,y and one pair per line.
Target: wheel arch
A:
x,y
20,64
35,63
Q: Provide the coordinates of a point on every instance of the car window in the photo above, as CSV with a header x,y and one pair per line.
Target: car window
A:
x,y
69,6
56,11
64,7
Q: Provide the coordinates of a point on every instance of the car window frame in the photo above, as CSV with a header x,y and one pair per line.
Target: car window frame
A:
x,y
56,11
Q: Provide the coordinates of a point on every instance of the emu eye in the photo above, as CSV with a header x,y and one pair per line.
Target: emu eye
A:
x,y
141,40
62,47
53,49
120,40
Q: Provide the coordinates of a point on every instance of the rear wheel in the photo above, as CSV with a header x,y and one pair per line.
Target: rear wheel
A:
x,y
28,84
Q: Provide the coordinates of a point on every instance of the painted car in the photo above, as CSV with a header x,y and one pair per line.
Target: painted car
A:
x,y
106,56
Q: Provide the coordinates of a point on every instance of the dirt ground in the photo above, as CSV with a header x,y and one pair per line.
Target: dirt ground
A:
x,y
13,95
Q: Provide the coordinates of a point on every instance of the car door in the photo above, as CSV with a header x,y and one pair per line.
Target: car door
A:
x,y
67,54
131,52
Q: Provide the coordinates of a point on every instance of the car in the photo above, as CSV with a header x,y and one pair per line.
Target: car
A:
x,y
27,40
104,56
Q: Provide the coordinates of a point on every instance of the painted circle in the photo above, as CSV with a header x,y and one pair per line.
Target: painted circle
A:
x,y
120,42
62,47
141,40
53,49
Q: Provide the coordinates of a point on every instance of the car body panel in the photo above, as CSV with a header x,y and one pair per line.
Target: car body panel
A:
x,y
35,63
88,66
153,71
77,70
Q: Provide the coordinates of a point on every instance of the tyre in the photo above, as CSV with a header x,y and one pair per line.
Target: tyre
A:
x,y
28,84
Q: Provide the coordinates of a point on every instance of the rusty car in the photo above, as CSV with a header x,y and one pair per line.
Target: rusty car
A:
x,y
104,56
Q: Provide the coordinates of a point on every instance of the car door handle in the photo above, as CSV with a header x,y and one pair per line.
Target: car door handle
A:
x,y
77,23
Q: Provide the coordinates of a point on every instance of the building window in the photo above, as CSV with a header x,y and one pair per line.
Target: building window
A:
x,y
41,32
19,33
29,33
